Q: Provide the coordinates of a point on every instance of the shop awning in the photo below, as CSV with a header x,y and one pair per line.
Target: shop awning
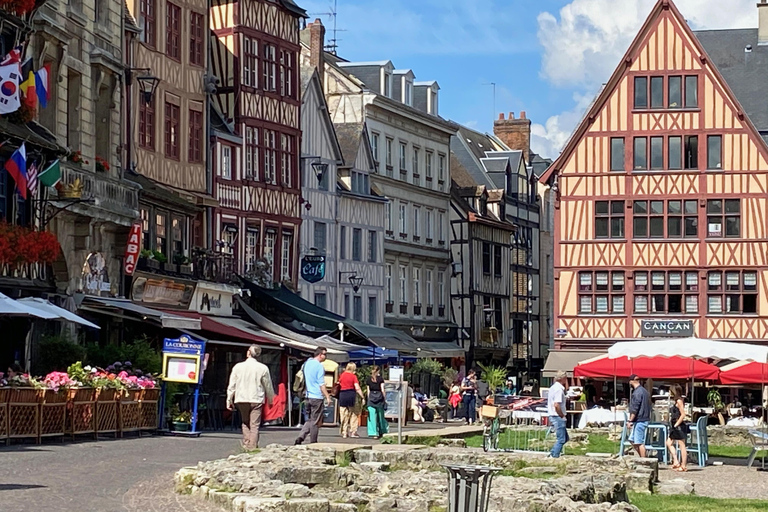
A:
x,y
566,360
744,372
167,320
647,368
441,349
222,327
11,307
690,347
61,313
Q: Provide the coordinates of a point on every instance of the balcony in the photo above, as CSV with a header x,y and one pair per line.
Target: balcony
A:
x,y
403,308
390,307
430,310
116,196
441,311
417,309
213,266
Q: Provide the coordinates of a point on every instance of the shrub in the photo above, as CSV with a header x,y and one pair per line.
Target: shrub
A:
x,y
56,353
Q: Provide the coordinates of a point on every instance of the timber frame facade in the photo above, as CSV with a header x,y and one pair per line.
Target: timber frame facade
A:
x,y
255,56
661,201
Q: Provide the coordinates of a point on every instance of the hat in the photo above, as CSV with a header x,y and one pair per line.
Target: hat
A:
x,y
634,377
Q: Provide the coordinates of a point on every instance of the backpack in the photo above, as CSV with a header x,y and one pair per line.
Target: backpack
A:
x,y
299,384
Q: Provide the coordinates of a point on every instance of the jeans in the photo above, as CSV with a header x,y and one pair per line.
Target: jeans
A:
x,y
250,416
558,425
314,408
470,412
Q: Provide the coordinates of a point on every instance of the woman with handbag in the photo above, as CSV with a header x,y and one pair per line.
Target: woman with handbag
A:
x,y
678,429
377,404
349,388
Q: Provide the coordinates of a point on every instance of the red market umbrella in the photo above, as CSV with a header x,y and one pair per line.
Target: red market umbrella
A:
x,y
744,372
647,368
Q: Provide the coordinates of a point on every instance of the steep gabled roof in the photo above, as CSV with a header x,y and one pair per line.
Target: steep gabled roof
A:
x,y
295,9
349,136
651,23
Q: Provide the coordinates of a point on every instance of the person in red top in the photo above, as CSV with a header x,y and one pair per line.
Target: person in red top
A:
x,y
349,386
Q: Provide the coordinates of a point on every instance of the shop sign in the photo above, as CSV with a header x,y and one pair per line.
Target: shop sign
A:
x,y
313,268
182,360
95,278
133,249
213,299
666,328
163,291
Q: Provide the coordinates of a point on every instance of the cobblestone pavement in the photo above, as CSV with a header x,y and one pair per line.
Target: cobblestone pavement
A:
x,y
116,475
731,480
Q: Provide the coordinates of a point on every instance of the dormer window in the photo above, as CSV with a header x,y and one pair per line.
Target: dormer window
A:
x,y
387,85
407,92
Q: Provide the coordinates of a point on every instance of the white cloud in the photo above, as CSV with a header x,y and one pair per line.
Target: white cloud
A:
x,y
583,45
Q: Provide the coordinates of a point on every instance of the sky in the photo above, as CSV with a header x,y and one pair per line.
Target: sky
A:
x,y
546,57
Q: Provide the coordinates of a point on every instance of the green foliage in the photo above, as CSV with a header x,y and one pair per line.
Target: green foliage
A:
x,y
693,503
158,256
56,354
140,353
77,373
494,376
450,376
363,374
343,459
146,253
715,400
183,417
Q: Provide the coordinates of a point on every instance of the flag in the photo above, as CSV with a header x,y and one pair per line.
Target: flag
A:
x,y
27,85
51,175
42,85
13,57
17,168
32,178
9,88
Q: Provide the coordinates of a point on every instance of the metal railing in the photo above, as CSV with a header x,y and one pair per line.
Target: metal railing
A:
x,y
119,196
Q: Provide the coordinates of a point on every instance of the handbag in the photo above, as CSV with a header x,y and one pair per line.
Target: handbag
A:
x,y
336,390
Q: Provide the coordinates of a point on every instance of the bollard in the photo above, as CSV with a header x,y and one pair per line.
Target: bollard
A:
x,y
469,487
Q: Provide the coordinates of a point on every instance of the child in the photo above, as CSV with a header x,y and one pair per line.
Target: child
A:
x,y
455,399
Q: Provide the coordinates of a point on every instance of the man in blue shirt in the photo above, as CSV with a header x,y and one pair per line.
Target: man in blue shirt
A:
x,y
639,414
316,395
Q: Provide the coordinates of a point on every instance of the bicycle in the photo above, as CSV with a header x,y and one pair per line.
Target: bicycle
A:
x,y
491,429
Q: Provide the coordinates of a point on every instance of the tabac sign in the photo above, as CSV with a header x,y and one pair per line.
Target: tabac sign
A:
x,y
313,268
666,328
133,248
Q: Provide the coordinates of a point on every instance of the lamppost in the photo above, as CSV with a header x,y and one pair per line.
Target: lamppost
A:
x,y
147,87
355,281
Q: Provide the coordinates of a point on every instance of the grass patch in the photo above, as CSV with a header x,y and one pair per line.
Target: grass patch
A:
x,y
658,503
344,459
734,452
437,508
597,443
430,441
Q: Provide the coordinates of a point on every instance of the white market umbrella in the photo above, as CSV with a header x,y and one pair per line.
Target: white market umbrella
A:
x,y
696,348
61,313
11,307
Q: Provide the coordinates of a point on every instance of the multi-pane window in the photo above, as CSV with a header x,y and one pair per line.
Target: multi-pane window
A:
x,y
683,94
403,219
416,223
161,232
645,154
173,31
286,159
148,22
287,58
228,239
226,162
609,219
373,312
372,246
691,152
681,219
357,308
601,292
357,244
388,217
343,242
732,292
388,155
497,267
430,292
403,285
196,136
428,166
617,153
269,67
388,283
251,246
646,97
666,292
403,147
714,152
251,153
269,247
250,62
319,237
172,130
375,146
147,124
430,229
416,286
177,235
724,218
196,38
440,171
285,264
270,156
486,258
416,166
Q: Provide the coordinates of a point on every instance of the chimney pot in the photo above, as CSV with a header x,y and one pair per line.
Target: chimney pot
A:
x,y
511,115
317,49
522,114
501,116
762,25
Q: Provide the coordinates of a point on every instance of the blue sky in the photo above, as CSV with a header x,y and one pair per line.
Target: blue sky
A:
x,y
547,57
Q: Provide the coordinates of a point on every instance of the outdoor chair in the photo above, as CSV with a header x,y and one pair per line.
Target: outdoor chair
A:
x,y
697,443
759,443
624,444
657,442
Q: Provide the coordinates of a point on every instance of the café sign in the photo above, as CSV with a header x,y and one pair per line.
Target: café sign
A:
x,y
133,249
313,268
162,291
666,328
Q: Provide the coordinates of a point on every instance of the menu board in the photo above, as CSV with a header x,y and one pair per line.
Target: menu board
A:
x,y
395,401
180,368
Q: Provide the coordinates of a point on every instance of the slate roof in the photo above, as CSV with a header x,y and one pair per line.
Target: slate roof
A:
x,y
295,9
459,174
745,72
349,135
468,146
130,22
539,164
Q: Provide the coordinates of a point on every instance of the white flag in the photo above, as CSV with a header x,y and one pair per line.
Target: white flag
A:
x,y
9,89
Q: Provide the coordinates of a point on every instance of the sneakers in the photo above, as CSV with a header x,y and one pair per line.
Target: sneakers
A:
x,y
298,441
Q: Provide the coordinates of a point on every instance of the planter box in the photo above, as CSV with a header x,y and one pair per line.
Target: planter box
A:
x,y
4,395
186,269
153,264
149,409
129,411
81,412
170,267
180,426
106,411
24,413
53,412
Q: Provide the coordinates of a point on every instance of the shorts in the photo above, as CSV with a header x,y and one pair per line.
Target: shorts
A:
x,y
637,436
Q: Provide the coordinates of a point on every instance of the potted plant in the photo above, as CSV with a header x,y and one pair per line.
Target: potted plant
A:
x,y
101,164
153,263
494,376
182,421
715,400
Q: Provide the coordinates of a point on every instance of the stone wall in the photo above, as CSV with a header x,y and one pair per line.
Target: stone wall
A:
x,y
729,436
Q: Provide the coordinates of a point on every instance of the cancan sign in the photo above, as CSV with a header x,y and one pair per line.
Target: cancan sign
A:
x,y
133,248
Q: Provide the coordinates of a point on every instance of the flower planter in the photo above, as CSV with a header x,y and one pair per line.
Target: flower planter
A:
x,y
81,412
106,411
170,267
129,411
186,269
181,426
24,413
153,264
148,409
4,395
53,412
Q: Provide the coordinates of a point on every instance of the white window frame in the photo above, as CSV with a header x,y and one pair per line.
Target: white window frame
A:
x,y
226,162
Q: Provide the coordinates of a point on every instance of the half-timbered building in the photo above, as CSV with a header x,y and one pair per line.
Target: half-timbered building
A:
x,y
661,202
255,56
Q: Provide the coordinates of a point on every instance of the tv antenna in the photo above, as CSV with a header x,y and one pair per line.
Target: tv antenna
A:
x,y
333,43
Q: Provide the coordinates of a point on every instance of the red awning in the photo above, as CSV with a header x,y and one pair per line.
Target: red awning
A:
x,y
744,372
209,324
647,368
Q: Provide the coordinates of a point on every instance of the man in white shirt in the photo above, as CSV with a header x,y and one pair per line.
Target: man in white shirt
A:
x,y
556,412
249,384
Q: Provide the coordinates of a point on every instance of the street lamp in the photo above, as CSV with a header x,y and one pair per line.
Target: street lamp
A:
x,y
355,281
147,86
320,169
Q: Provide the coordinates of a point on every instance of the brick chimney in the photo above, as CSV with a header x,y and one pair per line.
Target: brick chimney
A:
x,y
316,49
515,133
762,25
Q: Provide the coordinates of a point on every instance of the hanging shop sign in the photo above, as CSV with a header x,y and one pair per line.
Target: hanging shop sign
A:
x,y
213,299
666,328
164,291
95,278
313,268
133,249
183,359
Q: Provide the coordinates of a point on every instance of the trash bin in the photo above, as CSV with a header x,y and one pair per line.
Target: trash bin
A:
x,y
469,487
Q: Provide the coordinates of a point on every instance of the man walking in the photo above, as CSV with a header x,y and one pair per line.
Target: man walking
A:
x,y
316,395
249,384
639,414
556,412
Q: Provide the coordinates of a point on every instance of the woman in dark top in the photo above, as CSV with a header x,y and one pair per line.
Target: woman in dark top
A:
x,y
678,431
377,424
349,389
